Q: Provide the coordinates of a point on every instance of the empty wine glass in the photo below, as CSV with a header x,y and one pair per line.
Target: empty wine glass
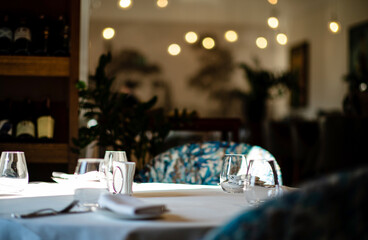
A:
x,y
13,172
88,169
233,173
262,181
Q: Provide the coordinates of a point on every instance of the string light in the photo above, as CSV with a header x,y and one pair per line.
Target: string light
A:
x,y
208,43
334,26
231,36
261,42
162,3
108,33
273,2
191,37
273,22
281,38
174,49
125,3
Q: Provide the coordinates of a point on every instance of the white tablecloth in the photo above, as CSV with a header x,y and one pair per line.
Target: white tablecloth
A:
x,y
193,210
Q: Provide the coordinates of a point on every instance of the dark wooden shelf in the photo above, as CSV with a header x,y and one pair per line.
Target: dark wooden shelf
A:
x,y
34,66
40,152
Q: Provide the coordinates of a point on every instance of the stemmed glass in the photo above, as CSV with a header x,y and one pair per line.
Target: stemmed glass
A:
x,y
13,172
233,173
262,181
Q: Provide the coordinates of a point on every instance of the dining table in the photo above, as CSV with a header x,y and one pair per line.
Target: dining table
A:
x,y
191,212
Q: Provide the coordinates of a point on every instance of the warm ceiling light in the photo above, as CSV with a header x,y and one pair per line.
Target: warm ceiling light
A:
x,y
174,49
191,37
363,87
281,38
208,43
273,2
162,3
334,26
125,3
108,33
261,42
231,36
273,22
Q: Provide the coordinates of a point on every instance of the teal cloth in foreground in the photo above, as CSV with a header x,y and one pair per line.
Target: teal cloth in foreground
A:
x,y
334,207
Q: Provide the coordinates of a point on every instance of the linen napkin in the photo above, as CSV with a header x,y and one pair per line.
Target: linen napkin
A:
x,y
128,205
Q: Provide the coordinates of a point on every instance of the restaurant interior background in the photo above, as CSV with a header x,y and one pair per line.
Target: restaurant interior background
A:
x,y
184,81
311,125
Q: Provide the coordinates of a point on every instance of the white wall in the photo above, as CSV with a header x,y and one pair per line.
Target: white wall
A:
x,y
302,20
153,38
328,52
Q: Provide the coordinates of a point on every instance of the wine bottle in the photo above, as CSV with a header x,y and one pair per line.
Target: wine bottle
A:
x,y
41,36
6,121
22,38
45,122
6,36
60,37
26,129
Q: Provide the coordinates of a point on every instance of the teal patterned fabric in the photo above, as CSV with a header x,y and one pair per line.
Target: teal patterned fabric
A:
x,y
332,208
198,163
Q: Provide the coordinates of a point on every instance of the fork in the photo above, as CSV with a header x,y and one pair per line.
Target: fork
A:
x,y
48,211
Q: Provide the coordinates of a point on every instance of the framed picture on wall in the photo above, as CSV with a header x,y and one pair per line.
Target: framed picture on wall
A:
x,y
299,63
358,53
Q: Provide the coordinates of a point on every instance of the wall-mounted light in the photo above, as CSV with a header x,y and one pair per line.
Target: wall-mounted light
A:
x,y
231,36
174,49
162,3
208,43
281,38
273,2
191,37
261,42
125,4
108,33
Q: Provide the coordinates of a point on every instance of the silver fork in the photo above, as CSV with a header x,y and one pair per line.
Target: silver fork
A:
x,y
49,211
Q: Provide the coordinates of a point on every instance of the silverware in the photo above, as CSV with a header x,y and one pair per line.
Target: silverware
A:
x,y
50,212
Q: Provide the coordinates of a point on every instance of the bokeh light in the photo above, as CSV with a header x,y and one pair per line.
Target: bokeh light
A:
x,y
281,38
273,22
108,33
208,43
231,36
261,42
191,37
334,26
174,49
273,2
162,3
125,3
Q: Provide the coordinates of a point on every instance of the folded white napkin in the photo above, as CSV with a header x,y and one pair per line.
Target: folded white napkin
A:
x,y
128,205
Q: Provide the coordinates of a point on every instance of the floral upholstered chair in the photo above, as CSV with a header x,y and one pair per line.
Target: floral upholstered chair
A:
x,y
197,163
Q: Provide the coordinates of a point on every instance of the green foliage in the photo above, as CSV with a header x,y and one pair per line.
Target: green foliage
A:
x,y
123,123
261,81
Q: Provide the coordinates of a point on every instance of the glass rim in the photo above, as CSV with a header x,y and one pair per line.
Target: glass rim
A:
x,y
12,152
90,159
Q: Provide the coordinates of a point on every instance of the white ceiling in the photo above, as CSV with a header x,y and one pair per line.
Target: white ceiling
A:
x,y
247,12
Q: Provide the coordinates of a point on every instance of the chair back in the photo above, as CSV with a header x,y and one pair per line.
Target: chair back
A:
x,y
198,163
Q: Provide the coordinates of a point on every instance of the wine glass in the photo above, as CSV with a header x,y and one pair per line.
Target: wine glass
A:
x,y
88,169
233,173
261,182
13,172
110,159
